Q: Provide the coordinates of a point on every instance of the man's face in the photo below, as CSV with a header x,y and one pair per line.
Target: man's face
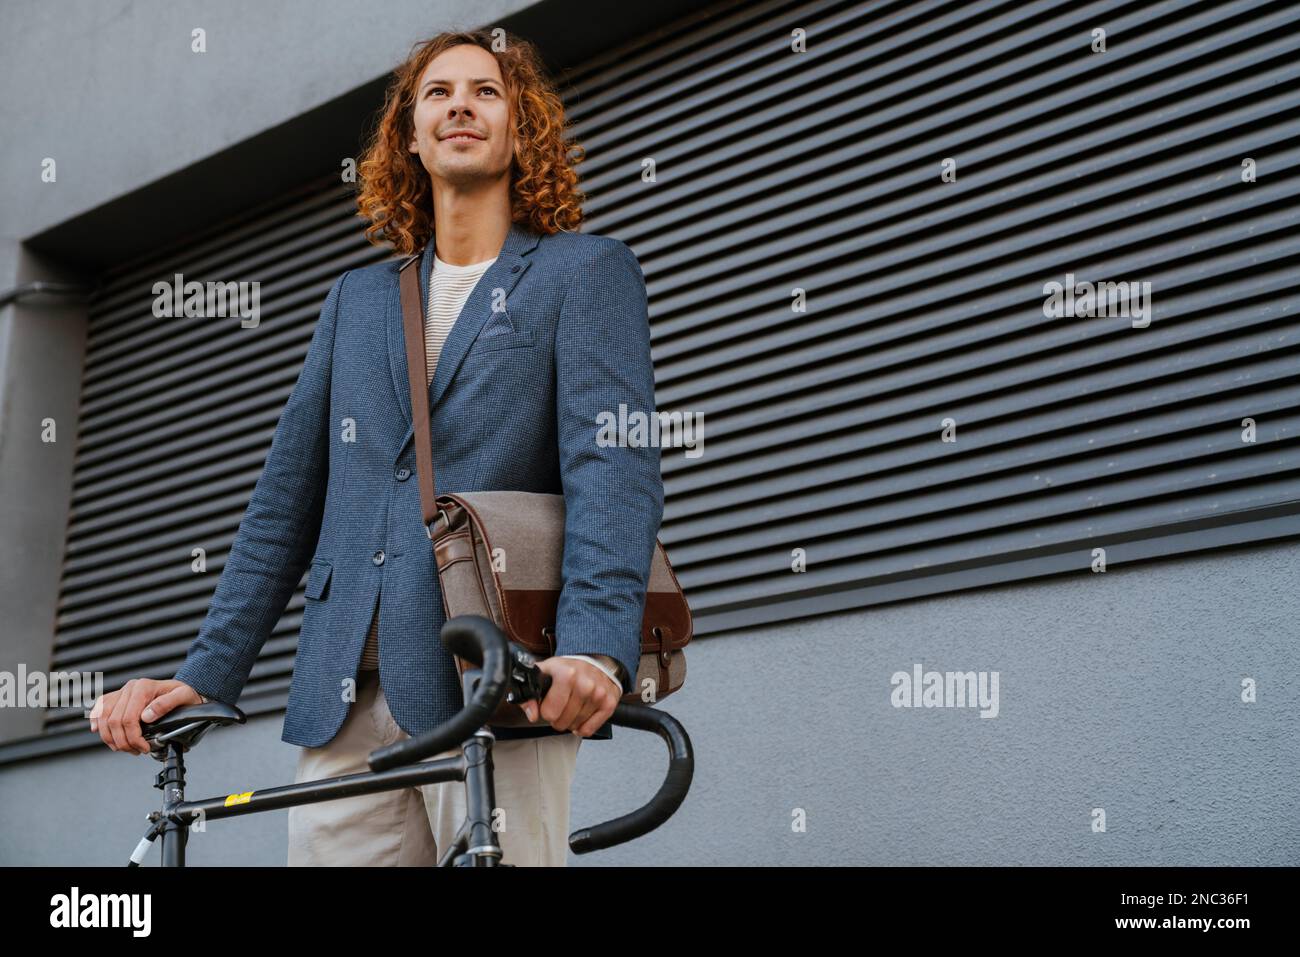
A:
x,y
462,118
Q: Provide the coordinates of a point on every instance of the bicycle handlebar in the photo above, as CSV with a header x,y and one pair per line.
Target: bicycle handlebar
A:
x,y
479,641
669,797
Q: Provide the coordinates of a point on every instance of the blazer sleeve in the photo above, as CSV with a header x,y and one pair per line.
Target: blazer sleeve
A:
x,y
613,491
278,533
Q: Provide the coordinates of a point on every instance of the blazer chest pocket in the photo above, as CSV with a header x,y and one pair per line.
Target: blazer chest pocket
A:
x,y
318,579
522,339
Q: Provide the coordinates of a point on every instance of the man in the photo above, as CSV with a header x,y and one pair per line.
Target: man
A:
x,y
532,332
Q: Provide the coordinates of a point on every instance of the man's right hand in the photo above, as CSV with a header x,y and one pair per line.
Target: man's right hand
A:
x,y
116,715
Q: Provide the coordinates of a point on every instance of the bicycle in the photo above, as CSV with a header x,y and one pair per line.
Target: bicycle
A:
x,y
505,671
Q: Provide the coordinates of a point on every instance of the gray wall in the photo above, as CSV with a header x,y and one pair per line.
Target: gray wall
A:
x,y
1119,690
113,93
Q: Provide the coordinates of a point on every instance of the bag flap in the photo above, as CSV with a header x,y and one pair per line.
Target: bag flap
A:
x,y
523,534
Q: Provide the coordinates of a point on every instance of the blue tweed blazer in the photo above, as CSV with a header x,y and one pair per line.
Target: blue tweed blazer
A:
x,y
555,333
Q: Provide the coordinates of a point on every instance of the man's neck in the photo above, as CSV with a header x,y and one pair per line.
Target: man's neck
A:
x,y
470,228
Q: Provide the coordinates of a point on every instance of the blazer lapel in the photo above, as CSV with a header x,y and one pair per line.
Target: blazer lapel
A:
x,y
510,265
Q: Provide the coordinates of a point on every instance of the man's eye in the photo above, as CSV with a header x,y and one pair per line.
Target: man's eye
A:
x,y
438,89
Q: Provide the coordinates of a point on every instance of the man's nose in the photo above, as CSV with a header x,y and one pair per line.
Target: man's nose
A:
x,y
459,105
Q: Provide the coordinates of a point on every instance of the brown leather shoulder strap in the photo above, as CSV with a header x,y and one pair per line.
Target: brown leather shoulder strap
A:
x,y
417,372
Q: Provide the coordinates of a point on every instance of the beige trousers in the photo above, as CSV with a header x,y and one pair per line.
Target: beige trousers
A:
x,y
411,826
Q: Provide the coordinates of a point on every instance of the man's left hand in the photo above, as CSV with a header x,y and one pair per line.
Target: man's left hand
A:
x,y
581,697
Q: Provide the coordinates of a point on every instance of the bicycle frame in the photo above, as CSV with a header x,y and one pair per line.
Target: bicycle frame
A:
x,y
505,672
475,845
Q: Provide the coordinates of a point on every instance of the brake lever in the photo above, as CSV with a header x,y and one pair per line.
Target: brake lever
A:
x,y
527,681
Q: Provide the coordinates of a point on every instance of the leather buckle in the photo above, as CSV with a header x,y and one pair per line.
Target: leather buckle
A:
x,y
428,529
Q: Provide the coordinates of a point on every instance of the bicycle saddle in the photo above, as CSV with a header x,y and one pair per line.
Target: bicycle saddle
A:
x,y
186,724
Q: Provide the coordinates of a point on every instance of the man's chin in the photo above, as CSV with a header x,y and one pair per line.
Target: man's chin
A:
x,y
464,175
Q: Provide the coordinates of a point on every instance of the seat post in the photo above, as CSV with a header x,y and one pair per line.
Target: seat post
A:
x,y
171,781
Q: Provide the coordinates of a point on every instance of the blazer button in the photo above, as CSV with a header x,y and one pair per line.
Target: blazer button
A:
x,y
403,474
379,557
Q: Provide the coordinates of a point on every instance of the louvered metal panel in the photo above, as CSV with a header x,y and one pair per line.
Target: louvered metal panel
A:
x,y
777,170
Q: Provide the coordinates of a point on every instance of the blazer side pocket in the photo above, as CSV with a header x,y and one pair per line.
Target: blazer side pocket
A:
x,y
318,579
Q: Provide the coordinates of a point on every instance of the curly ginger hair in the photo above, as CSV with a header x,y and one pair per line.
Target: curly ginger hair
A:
x,y
395,194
